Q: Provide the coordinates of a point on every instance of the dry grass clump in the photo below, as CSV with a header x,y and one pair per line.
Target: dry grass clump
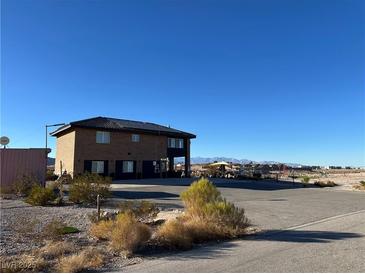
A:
x,y
102,230
23,263
360,186
88,259
53,230
208,216
128,234
125,233
54,250
325,184
174,235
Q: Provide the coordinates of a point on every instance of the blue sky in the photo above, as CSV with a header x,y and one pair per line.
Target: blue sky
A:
x,y
263,80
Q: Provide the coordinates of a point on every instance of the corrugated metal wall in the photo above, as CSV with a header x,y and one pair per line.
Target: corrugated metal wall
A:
x,y
17,162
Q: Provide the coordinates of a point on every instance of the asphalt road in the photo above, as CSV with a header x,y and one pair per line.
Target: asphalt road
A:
x,y
305,229
334,245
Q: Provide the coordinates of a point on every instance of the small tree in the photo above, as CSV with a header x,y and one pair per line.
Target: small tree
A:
x,y
85,188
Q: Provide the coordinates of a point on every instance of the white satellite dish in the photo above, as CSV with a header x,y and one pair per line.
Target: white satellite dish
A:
x,y
4,140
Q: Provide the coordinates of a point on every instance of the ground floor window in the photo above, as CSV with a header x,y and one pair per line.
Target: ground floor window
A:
x,y
97,167
128,166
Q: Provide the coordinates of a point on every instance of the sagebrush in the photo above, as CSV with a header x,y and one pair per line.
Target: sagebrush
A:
x,y
40,196
85,188
125,233
208,216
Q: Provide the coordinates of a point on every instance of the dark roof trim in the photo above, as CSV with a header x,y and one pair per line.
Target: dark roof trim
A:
x,y
113,124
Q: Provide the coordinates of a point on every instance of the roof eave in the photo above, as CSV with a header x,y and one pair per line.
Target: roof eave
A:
x,y
59,130
177,134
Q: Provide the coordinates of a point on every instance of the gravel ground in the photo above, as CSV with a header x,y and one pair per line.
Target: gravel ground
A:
x,y
18,218
20,222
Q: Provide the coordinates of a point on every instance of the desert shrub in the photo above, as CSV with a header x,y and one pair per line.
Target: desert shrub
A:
x,y
173,234
53,230
50,176
88,259
230,218
208,216
199,194
203,200
85,188
40,196
360,186
306,179
65,179
102,229
325,184
54,250
24,184
125,233
142,210
128,234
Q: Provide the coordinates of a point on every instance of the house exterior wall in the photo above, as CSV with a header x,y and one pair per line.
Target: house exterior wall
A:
x,y
18,162
65,153
79,145
121,147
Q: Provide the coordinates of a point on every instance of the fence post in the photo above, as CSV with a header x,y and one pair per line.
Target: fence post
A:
x,y
98,205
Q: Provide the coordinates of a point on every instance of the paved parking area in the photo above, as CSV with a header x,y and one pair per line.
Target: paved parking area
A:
x,y
304,229
269,205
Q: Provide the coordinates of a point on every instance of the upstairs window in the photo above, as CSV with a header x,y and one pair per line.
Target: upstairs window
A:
x,y
102,137
175,143
135,138
171,143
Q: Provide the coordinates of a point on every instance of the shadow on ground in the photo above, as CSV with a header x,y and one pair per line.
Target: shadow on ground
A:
x,y
267,185
125,194
213,249
304,236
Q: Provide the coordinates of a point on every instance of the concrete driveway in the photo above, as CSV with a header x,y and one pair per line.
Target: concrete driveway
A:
x,y
306,229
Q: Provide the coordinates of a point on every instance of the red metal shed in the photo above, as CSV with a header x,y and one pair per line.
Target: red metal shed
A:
x,y
16,162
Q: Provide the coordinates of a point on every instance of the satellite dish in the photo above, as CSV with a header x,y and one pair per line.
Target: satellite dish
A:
x,y
4,140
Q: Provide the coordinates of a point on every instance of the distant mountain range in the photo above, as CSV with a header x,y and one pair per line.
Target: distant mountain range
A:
x,y
205,160
51,161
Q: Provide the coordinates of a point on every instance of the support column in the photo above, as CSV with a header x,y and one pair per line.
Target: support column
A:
x,y
171,165
187,157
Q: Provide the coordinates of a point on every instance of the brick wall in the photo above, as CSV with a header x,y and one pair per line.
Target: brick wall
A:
x,y
65,150
121,147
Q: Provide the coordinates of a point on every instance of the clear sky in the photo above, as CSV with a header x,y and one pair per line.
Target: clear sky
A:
x,y
259,79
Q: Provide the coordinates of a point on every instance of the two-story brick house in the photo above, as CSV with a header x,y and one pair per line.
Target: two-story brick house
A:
x,y
122,149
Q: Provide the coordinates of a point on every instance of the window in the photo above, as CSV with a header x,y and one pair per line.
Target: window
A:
x,y
171,142
135,138
97,167
180,143
128,166
175,143
102,137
